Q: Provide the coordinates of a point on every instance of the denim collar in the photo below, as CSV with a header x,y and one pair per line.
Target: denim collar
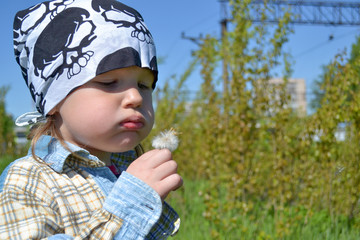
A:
x,y
52,152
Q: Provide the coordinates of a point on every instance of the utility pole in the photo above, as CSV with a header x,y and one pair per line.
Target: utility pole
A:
x,y
196,40
223,23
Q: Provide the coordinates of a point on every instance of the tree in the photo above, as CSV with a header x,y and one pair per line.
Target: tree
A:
x,y
319,87
7,136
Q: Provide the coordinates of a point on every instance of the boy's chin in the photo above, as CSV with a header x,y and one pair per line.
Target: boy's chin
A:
x,y
124,148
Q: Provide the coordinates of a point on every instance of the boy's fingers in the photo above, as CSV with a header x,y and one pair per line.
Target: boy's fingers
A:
x,y
172,182
166,169
147,155
156,157
179,180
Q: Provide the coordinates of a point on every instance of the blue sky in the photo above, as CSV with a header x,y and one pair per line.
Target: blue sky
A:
x,y
167,19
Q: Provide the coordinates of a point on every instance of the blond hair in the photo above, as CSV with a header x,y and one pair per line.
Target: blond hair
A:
x,y
45,128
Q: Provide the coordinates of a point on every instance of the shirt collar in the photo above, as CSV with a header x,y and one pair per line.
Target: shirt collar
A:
x,y
52,152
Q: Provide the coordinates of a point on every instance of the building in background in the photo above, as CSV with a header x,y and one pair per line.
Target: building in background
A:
x,y
296,88
21,137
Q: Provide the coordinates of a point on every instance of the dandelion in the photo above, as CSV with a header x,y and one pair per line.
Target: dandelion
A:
x,y
166,139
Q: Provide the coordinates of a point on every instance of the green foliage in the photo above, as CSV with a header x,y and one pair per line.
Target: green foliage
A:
x,y
260,157
7,137
5,160
326,76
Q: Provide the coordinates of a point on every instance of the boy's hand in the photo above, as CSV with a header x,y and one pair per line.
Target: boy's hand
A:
x,y
157,169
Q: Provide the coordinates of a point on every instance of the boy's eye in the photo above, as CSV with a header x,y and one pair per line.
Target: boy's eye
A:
x,y
144,85
110,83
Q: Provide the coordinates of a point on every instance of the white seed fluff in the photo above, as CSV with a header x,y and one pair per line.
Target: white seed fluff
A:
x,y
166,139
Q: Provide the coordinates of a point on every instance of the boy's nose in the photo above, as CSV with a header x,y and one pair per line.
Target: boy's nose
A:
x,y
133,98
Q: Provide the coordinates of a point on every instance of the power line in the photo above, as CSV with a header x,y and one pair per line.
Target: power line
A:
x,y
331,13
328,13
321,44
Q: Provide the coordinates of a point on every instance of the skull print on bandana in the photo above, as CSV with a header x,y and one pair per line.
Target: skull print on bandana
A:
x,y
62,44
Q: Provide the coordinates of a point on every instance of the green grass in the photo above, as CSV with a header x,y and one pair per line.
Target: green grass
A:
x,y
189,205
5,160
294,224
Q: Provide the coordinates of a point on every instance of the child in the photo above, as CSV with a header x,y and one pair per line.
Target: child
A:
x,y
91,68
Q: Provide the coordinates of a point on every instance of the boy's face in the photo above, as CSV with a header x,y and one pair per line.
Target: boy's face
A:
x,y
111,113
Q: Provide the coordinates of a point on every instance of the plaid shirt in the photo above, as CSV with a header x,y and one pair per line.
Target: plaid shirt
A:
x,y
65,196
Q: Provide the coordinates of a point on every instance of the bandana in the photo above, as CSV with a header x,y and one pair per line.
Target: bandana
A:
x,y
62,44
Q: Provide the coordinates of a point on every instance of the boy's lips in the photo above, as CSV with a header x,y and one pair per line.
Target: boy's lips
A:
x,y
133,123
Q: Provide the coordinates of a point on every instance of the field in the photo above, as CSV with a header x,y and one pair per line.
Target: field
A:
x,y
259,224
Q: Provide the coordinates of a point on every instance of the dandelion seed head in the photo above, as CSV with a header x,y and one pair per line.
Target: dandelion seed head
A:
x,y
166,139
